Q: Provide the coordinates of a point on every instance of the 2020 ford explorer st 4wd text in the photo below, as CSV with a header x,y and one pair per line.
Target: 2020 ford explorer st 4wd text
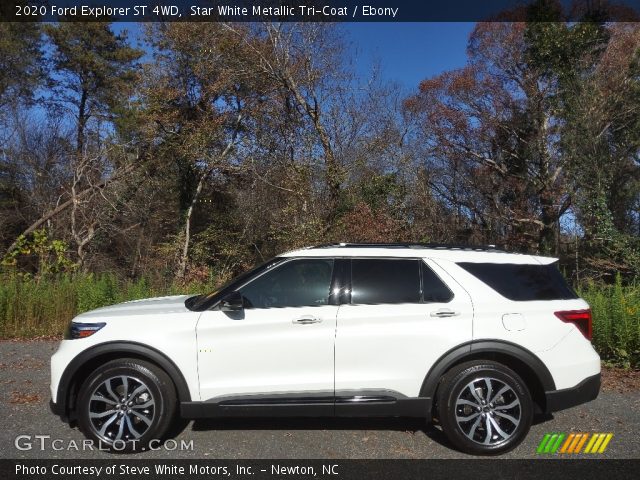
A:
x,y
474,338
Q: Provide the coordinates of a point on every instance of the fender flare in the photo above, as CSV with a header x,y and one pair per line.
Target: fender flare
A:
x,y
474,349
123,349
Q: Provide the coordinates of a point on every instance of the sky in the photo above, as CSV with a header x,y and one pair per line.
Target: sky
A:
x,y
406,53
409,52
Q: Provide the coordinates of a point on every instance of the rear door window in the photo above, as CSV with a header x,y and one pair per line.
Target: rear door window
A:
x,y
376,281
522,282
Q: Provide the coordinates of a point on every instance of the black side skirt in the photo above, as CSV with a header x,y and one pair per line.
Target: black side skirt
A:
x,y
366,404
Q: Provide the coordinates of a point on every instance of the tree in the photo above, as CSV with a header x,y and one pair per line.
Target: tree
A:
x,y
304,61
93,77
488,133
21,72
601,138
492,130
21,67
199,97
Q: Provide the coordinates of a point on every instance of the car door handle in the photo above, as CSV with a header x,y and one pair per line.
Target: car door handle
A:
x,y
444,312
307,320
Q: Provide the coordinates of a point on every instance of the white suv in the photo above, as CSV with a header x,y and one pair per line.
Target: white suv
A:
x,y
474,338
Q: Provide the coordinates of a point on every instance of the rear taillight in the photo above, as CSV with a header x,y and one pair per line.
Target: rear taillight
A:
x,y
580,318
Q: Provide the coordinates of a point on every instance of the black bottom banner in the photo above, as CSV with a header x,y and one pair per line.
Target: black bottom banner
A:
x,y
476,469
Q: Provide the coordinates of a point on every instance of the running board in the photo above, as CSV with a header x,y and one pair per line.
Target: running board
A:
x,y
345,404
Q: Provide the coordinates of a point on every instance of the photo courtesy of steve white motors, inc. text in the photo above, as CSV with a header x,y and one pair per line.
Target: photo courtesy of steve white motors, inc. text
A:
x,y
228,11
172,469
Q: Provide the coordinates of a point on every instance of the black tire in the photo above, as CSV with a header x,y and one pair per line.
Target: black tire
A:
x,y
149,407
457,400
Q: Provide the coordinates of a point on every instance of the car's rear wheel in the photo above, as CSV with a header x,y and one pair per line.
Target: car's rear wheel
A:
x,y
484,408
125,404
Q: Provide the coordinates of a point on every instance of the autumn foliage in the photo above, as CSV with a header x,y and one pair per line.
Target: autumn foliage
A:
x,y
216,146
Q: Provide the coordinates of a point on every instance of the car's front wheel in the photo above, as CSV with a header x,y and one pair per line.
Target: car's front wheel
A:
x,y
484,407
125,404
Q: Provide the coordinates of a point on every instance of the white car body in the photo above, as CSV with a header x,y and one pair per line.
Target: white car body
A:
x,y
327,350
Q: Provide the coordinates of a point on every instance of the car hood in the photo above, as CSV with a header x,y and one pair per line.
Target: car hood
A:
x,y
147,306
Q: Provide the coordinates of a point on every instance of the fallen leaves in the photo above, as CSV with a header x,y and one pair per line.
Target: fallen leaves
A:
x,y
20,398
620,380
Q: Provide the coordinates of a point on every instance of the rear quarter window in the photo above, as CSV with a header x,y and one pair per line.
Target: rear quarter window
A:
x,y
433,289
522,282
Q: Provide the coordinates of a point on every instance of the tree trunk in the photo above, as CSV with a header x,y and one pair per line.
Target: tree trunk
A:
x,y
184,256
547,240
182,264
332,169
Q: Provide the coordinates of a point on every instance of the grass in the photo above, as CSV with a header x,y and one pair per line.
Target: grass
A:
x,y
30,308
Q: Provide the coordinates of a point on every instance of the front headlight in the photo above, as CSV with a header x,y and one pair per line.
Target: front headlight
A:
x,y
77,330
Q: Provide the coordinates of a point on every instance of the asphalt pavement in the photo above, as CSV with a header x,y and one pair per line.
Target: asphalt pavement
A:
x,y
24,397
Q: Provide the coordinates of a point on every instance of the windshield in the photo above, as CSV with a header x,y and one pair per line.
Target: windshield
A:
x,y
200,303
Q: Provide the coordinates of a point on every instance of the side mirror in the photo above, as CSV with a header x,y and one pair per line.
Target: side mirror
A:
x,y
233,302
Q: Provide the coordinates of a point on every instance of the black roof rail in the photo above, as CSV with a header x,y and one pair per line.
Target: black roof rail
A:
x,y
441,246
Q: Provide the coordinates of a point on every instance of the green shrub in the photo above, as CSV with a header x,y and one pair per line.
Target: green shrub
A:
x,y
44,307
616,321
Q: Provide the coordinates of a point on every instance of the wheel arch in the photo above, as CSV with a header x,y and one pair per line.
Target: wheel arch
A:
x,y
87,361
525,363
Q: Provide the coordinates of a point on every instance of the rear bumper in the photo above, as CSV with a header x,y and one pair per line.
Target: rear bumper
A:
x,y
584,392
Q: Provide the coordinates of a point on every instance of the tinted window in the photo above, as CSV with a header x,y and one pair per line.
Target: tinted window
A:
x,y
385,281
522,282
434,290
297,283
200,303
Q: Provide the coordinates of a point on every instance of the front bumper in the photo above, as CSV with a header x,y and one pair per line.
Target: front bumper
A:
x,y
583,392
56,408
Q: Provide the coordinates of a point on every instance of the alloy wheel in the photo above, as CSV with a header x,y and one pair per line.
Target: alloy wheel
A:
x,y
121,408
488,411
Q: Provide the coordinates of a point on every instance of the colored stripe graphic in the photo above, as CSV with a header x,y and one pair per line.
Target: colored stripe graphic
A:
x,y
554,449
543,443
577,441
567,443
596,445
572,444
579,446
592,440
550,443
607,439
552,440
